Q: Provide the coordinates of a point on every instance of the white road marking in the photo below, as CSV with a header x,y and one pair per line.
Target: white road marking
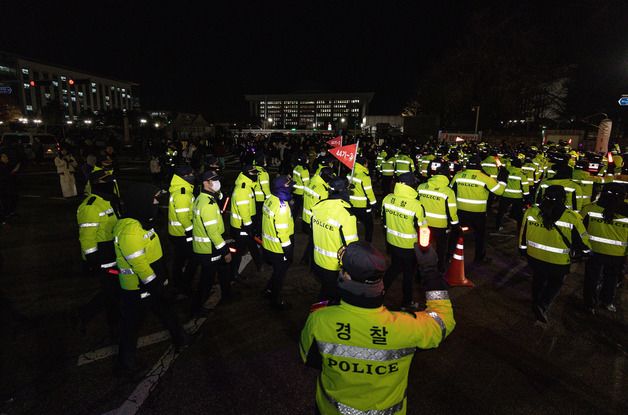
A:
x,y
191,326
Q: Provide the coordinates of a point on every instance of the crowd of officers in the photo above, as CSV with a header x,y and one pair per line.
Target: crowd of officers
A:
x,y
566,205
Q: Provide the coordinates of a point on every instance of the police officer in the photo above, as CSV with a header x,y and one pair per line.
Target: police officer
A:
x,y
402,214
209,245
316,190
472,187
362,197
587,181
403,162
549,233
142,274
333,226
517,191
441,210
277,237
606,222
97,215
301,177
364,350
243,212
388,172
562,177
180,227
261,188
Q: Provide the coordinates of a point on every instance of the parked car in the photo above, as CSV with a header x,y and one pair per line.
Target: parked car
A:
x,y
35,145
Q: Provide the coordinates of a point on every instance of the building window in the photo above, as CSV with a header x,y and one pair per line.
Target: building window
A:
x,y
25,71
93,84
55,83
63,78
29,108
27,86
47,96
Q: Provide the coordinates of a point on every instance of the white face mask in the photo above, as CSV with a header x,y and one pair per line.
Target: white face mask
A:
x,y
215,186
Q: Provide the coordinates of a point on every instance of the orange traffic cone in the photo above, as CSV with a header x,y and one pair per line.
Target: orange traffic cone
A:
x,y
455,274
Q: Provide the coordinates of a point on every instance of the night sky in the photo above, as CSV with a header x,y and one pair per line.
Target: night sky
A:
x,y
204,58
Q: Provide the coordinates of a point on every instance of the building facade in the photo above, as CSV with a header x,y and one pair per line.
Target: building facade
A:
x,y
31,86
320,111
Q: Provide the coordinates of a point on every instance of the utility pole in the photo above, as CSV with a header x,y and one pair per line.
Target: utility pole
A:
x,y
477,117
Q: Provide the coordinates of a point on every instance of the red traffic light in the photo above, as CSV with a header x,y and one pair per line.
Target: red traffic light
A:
x,y
70,81
32,83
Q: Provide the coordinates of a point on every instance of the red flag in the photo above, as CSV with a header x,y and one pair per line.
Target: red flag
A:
x,y
346,154
335,142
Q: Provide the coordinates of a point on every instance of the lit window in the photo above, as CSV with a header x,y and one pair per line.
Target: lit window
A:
x,y
55,83
80,94
123,95
27,86
113,87
47,96
29,108
123,90
107,97
93,84
63,78
25,71
65,91
65,104
73,99
94,90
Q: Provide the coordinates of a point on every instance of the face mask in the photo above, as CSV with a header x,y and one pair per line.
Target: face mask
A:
x,y
215,186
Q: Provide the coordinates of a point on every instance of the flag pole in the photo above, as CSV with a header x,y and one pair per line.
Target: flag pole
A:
x,y
340,164
357,148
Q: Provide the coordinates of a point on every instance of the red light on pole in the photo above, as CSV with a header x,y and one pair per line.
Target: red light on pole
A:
x,y
32,83
71,82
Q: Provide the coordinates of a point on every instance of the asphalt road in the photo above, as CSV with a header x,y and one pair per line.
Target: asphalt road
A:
x,y
244,357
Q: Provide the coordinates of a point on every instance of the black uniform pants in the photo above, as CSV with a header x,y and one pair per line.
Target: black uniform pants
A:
x,y
609,270
209,269
244,243
280,266
329,283
297,205
107,298
516,211
308,254
183,265
402,260
257,219
132,311
547,281
367,219
439,239
386,184
477,222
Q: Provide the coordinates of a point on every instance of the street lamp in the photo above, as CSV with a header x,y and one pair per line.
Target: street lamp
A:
x,y
343,120
88,122
143,121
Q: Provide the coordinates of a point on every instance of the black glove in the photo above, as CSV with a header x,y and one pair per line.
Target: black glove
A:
x,y
288,252
428,268
92,260
249,229
154,287
502,176
523,252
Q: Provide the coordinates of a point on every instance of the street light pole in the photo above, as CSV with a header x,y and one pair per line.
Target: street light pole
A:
x,y
477,117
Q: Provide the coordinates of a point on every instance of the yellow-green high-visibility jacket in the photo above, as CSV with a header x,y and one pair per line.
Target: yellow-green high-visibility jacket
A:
x,y
277,225
547,244
549,171
587,183
541,163
180,206
208,226
319,168
313,193
489,166
333,227
425,161
262,185
381,156
517,186
618,160
388,167
531,172
606,238
403,164
242,202
573,190
367,352
402,214
439,202
136,248
96,219
472,188
362,191
301,177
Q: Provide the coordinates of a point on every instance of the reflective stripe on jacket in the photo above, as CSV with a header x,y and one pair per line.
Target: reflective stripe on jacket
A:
x,y
277,225
472,188
547,244
242,202
366,353
439,202
96,220
333,226
362,193
301,176
606,238
573,190
517,186
180,206
402,214
136,249
208,225
262,185
313,193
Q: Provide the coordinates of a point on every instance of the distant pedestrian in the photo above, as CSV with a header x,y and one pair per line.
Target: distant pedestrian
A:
x,y
66,167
